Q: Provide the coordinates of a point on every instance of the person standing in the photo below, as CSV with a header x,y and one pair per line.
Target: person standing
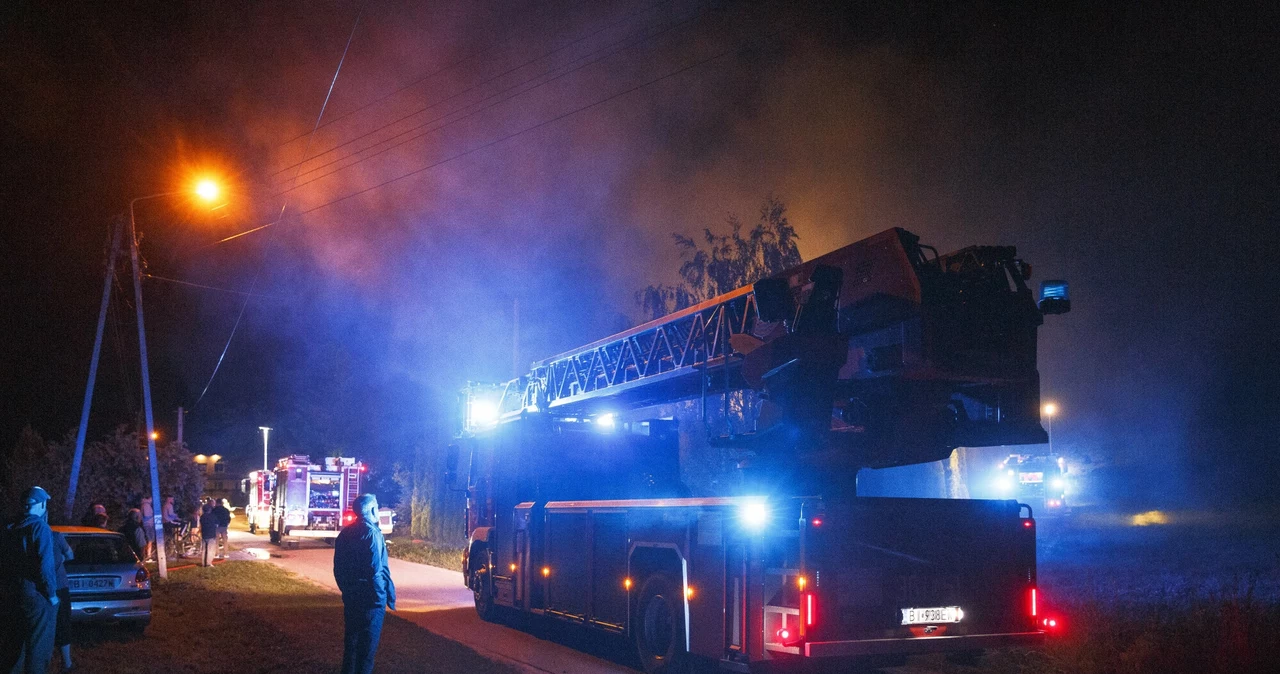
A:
x,y
96,517
62,625
223,513
30,588
148,528
208,534
172,524
132,531
360,568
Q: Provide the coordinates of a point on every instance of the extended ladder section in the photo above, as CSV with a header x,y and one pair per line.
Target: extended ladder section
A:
x,y
657,362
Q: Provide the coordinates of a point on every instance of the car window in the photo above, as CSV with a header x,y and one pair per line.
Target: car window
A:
x,y
100,550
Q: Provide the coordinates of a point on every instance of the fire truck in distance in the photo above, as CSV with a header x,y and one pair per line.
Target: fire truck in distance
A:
x,y
877,354
315,500
259,487
1037,479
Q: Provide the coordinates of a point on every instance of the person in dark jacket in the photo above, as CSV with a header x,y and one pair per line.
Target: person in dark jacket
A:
x,y
30,589
223,513
360,568
133,533
62,626
96,517
208,534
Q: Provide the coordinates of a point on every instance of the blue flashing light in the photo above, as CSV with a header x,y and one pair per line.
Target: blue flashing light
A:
x,y
606,421
1054,290
754,515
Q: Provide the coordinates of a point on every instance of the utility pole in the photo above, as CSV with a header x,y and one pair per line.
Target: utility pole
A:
x,y
146,393
181,413
93,366
265,432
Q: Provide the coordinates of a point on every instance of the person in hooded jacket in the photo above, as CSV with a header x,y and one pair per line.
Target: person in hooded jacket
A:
x,y
360,568
133,533
30,589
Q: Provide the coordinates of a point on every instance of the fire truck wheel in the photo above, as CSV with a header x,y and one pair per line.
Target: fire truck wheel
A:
x,y
484,601
659,627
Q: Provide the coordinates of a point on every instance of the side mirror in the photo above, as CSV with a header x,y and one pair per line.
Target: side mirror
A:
x,y
451,464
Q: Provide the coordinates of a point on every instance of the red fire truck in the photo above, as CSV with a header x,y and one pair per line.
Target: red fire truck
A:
x,y
259,487
878,354
315,500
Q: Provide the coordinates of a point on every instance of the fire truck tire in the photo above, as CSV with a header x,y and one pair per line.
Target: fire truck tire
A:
x,y
659,627
484,600
275,536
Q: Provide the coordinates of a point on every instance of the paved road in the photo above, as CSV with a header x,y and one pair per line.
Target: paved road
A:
x,y
435,599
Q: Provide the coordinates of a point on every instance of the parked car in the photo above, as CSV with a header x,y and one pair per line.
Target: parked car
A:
x,y
108,582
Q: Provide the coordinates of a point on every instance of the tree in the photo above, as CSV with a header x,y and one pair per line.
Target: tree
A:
x,y
725,262
721,263
114,472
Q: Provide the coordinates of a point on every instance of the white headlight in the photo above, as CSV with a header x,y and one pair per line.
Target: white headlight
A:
x,y
754,515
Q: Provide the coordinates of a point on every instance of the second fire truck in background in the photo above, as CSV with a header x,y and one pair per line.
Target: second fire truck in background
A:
x,y
316,500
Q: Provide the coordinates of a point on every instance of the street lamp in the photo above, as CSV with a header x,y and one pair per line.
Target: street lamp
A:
x,y
207,190
1048,411
265,432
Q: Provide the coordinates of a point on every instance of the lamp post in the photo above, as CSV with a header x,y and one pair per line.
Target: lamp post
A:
x,y
207,190
1048,411
265,432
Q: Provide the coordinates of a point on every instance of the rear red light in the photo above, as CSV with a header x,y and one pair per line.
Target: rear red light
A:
x,y
1034,608
784,635
817,521
808,609
141,577
1027,524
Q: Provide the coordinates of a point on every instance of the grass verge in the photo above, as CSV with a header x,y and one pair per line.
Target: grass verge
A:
x,y
422,552
255,617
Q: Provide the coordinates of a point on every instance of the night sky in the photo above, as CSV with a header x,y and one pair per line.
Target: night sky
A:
x,y
1133,151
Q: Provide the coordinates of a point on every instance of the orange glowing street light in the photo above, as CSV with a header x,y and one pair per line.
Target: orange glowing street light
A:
x,y
1049,411
155,435
208,189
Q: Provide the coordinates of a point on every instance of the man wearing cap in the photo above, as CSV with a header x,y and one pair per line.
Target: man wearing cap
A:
x,y
31,588
360,567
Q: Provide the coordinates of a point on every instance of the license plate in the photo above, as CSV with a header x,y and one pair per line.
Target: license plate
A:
x,y
931,616
104,583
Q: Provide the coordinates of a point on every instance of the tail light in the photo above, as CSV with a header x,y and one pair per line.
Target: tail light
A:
x,y
348,518
1035,609
141,576
809,605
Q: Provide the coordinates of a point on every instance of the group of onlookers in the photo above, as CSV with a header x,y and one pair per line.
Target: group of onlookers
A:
x,y
211,519
35,602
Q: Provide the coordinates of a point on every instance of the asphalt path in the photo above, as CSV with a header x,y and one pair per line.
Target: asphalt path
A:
x,y
436,600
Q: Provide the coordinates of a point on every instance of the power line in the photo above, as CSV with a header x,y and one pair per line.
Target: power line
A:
x,y
468,90
423,78
483,108
253,284
539,125
469,114
207,287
